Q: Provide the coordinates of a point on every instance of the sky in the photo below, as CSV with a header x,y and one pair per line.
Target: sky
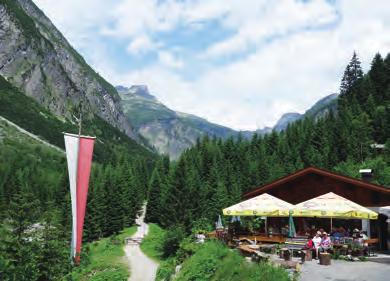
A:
x,y
238,63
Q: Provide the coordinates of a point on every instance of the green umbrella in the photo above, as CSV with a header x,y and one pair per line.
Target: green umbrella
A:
x,y
291,226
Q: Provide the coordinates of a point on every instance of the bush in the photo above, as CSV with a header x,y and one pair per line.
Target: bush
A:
x,y
172,239
166,269
187,248
214,261
201,225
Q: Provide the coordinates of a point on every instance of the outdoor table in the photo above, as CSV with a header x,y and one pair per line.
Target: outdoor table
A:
x,y
264,239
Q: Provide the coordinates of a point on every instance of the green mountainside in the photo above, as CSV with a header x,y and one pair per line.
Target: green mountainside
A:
x,y
31,116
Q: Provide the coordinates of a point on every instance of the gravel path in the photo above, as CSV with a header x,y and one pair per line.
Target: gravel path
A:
x,y
345,271
142,268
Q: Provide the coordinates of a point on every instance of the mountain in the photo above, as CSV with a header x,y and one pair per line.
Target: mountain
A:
x,y
168,131
322,107
285,120
171,132
318,110
43,80
38,60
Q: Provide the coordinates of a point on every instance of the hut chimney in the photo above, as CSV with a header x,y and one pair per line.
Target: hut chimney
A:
x,y
366,174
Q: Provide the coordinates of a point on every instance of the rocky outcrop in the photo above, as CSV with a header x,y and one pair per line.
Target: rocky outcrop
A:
x,y
35,57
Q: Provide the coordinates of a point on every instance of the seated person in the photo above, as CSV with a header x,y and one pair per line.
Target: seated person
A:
x,y
356,233
325,242
317,242
360,241
337,234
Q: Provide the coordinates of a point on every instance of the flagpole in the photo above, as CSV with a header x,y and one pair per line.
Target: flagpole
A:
x,y
77,258
81,115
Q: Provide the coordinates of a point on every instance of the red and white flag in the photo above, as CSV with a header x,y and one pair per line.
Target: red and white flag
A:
x,y
79,151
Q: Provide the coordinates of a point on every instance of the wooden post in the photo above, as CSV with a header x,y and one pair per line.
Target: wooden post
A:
x,y
325,258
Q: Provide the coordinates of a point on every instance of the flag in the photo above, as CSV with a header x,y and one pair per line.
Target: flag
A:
x,y
79,151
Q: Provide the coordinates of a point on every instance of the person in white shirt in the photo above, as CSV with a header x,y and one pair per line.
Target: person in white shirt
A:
x,y
317,242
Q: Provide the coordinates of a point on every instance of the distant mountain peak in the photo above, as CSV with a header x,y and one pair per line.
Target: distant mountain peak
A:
x,y
137,90
287,119
318,110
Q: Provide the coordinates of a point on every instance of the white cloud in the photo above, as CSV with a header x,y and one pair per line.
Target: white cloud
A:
x,y
140,44
275,19
169,60
302,62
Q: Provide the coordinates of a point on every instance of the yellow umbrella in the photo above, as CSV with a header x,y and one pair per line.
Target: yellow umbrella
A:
x,y
331,205
263,205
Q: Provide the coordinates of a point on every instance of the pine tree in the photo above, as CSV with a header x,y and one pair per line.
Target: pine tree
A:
x,y
379,77
53,257
349,83
153,208
20,245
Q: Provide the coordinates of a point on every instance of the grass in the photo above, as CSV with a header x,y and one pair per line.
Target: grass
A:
x,y
151,245
106,260
214,261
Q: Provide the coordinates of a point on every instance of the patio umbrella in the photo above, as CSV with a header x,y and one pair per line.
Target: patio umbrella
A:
x,y
291,226
263,205
331,205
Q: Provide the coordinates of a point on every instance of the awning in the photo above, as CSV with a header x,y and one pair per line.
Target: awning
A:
x,y
331,205
263,205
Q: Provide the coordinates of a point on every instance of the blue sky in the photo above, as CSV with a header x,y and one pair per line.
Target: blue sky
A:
x,y
239,63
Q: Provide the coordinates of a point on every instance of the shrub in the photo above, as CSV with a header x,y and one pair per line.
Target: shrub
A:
x,y
187,248
166,269
214,261
172,239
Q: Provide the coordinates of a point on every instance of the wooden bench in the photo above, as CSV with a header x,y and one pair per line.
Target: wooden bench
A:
x,y
297,245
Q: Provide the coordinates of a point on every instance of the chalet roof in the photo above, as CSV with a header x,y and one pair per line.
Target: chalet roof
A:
x,y
324,173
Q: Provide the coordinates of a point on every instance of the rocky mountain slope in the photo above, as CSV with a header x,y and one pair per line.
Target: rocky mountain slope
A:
x,y
37,59
169,131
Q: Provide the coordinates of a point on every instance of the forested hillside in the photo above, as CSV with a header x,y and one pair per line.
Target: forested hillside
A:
x,y
35,205
215,173
35,216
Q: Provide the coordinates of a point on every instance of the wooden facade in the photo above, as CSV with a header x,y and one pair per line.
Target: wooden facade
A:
x,y
312,182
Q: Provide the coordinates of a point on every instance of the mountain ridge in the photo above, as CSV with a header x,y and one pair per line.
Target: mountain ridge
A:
x,y
171,132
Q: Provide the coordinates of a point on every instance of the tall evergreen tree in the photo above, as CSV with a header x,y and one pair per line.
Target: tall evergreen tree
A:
x,y
154,209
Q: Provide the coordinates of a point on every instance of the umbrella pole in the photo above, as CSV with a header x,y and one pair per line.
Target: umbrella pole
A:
x,y
331,225
266,226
